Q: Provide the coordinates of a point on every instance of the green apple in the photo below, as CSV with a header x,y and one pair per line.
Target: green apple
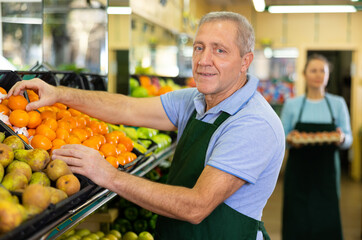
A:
x,y
145,236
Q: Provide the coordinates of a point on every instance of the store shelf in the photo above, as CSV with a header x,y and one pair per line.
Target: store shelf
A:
x,y
71,218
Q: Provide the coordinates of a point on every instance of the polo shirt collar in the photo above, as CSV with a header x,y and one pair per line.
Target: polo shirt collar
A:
x,y
232,104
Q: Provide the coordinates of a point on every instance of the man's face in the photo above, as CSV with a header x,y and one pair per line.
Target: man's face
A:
x,y
216,64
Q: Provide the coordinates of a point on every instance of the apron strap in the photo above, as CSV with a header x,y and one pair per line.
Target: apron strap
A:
x,y
301,110
263,230
330,108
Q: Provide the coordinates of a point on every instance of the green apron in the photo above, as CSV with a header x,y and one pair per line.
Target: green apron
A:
x,y
187,165
311,188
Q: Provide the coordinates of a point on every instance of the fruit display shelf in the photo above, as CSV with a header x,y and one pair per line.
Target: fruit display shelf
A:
x,y
99,197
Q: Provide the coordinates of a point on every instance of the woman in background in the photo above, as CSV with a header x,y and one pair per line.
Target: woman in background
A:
x,y
312,174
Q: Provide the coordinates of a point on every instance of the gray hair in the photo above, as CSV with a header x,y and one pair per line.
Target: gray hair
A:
x,y
245,32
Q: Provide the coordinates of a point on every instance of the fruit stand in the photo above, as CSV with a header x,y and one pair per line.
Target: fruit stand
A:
x,y
57,218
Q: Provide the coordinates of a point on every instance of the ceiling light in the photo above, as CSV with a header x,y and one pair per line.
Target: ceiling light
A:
x,y
119,10
259,5
311,8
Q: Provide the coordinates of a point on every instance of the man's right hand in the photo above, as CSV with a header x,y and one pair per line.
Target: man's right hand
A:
x,y
47,93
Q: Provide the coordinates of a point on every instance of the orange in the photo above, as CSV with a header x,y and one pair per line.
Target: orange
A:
x,y
122,160
46,131
119,134
89,132
48,114
71,120
17,102
31,131
57,143
74,112
4,109
112,138
164,89
22,136
87,119
108,149
102,154
65,125
112,160
80,133
100,139
95,126
129,156
19,118
40,141
92,143
5,102
3,91
62,133
63,113
103,128
126,141
145,81
81,121
32,96
51,122
61,106
152,90
121,148
34,119
72,139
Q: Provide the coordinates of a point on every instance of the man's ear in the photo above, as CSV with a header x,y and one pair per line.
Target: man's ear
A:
x,y
246,61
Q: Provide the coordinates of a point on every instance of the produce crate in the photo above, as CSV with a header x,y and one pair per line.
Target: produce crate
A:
x,y
94,81
53,212
8,79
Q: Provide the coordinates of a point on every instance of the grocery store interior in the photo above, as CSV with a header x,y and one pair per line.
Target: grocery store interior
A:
x,y
144,48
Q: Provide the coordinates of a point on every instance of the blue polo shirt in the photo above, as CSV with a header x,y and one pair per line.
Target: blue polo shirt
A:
x,y
250,144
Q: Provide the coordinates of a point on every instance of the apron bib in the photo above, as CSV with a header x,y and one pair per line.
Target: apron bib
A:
x,y
311,187
187,165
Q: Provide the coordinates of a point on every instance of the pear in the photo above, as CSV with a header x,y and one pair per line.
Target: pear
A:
x,y
2,136
57,168
37,196
22,167
14,142
69,184
37,158
31,211
5,194
56,195
1,172
11,216
40,178
14,181
6,155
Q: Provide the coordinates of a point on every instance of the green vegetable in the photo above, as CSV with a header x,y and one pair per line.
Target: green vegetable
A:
x,y
131,213
122,225
153,175
152,221
145,213
140,225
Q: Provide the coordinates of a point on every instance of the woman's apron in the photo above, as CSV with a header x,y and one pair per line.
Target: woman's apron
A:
x,y
311,188
187,165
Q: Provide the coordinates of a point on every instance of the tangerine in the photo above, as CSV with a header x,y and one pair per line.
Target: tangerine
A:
x,y
51,122
32,96
108,149
61,106
3,91
31,131
34,119
4,109
17,102
72,139
92,143
81,133
57,143
112,138
121,160
127,142
48,114
103,128
19,118
63,113
62,133
121,148
40,141
113,160
65,125
74,112
46,131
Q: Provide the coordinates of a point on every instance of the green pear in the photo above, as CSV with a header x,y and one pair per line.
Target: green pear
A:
x,y
5,194
22,167
56,195
14,181
11,216
6,155
2,136
37,158
36,195
1,172
40,178
57,168
14,142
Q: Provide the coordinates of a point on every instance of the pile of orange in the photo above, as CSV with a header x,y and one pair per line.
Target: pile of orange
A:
x,y
51,127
